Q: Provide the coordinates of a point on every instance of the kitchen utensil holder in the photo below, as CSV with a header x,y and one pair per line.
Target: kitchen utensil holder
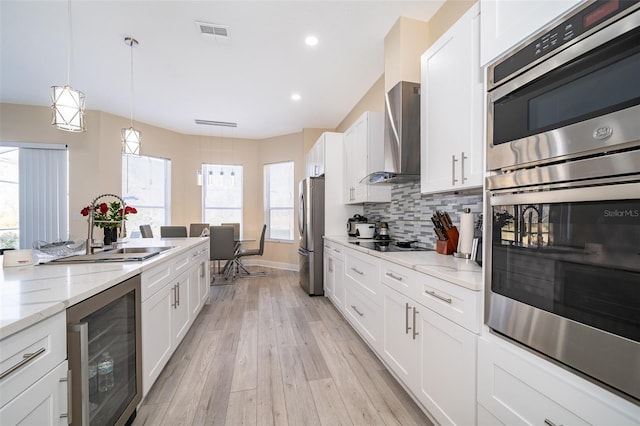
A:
x,y
449,245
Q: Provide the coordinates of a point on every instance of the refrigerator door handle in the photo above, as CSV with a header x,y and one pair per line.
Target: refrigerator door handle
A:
x,y
301,216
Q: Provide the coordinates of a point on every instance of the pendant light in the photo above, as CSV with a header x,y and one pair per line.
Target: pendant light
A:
x,y
67,103
131,137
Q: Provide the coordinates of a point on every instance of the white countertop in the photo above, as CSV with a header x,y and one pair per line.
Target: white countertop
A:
x,y
462,272
29,294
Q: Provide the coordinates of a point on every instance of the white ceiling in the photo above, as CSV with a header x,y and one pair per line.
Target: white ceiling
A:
x,y
180,76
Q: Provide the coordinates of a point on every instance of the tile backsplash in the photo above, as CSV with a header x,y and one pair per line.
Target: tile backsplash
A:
x,y
409,212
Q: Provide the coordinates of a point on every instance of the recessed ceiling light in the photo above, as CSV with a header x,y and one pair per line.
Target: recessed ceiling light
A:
x,y
311,40
295,97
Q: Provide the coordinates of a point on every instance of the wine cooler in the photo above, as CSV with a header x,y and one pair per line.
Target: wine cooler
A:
x,y
103,348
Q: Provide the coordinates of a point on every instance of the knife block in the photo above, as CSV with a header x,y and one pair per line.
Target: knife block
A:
x,y
449,245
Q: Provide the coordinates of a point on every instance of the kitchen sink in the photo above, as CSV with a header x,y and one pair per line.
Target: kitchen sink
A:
x,y
125,254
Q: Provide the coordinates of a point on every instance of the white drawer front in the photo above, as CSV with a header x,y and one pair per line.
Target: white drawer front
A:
x,y
181,262
336,250
28,355
364,270
365,315
456,303
399,278
154,279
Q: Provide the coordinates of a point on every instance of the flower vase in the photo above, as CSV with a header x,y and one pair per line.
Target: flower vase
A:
x,y
110,236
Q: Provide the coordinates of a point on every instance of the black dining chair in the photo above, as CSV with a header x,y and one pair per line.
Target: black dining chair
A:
x,y
196,229
222,247
145,231
251,252
173,231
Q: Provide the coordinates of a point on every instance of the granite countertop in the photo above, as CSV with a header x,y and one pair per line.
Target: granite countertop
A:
x,y
29,294
462,272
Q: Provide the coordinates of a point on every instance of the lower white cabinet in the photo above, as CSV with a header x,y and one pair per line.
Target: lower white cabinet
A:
x,y
175,294
43,403
334,287
434,357
518,387
363,314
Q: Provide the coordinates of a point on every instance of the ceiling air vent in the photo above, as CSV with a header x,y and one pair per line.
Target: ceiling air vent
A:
x,y
216,31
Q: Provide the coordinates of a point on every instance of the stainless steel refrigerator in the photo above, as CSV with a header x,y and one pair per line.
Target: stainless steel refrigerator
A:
x,y
311,229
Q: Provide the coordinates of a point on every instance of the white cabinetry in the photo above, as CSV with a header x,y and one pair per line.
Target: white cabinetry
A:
x,y
518,387
364,154
334,287
434,356
451,103
173,293
33,374
506,23
315,159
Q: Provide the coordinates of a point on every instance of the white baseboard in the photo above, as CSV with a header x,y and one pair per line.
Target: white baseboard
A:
x,y
272,264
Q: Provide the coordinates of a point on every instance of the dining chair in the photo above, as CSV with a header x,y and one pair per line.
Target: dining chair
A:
x,y
195,229
145,231
251,252
222,247
173,231
236,229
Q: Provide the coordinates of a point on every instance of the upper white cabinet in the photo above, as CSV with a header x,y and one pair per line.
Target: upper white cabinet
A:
x,y
506,23
364,154
316,158
451,103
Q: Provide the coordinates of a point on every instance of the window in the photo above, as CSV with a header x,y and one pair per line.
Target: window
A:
x,y
34,204
222,194
146,185
278,195
9,198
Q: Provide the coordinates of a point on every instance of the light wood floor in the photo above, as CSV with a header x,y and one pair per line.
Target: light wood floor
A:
x,y
262,352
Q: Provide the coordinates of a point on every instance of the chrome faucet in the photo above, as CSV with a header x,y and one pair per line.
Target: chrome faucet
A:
x,y
90,244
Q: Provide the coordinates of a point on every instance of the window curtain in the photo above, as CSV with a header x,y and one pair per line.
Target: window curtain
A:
x,y
44,209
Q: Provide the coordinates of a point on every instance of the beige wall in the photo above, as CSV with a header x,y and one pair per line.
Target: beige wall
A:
x,y
95,164
446,16
373,100
403,46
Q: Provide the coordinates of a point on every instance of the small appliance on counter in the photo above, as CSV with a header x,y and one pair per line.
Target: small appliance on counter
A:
x,y
383,232
365,230
390,245
352,222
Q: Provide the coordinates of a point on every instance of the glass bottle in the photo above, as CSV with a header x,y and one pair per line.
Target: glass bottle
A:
x,y
105,373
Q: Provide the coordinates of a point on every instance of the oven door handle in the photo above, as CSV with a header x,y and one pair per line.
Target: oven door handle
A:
x,y
623,191
78,335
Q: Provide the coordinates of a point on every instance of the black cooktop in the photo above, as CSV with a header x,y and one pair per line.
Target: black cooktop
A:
x,y
389,245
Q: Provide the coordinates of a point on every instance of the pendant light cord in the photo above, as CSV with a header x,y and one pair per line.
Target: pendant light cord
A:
x,y
69,43
131,57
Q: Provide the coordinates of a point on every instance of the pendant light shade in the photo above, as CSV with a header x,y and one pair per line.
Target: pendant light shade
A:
x,y
131,141
67,104
131,138
68,108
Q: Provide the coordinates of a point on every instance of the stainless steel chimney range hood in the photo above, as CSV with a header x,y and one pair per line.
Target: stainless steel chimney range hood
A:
x,y
401,136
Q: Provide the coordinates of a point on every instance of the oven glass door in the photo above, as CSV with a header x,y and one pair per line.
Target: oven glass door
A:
x,y
577,259
601,81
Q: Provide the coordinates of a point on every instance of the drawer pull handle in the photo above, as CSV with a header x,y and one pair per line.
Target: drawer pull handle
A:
x,y
357,311
406,318
27,358
415,333
550,423
395,277
356,271
67,415
437,296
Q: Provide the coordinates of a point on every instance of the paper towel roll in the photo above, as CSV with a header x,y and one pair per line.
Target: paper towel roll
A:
x,y
465,241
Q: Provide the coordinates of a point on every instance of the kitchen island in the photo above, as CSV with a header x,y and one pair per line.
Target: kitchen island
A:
x,y
29,294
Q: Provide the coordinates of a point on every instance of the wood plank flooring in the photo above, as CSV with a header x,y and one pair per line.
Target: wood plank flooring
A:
x,y
262,352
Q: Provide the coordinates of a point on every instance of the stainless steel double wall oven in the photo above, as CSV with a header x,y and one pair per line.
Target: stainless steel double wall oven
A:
x,y
563,263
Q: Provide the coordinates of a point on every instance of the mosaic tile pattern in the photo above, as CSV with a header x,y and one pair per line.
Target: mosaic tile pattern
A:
x,y
409,213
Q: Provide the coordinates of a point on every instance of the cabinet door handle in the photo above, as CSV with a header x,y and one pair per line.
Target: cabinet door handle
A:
x,y
406,318
453,170
357,311
26,358
173,297
550,423
437,296
415,333
67,415
395,277
178,294
463,157
356,271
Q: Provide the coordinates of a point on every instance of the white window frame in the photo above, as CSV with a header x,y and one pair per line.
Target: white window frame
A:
x,y
267,202
215,169
131,201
